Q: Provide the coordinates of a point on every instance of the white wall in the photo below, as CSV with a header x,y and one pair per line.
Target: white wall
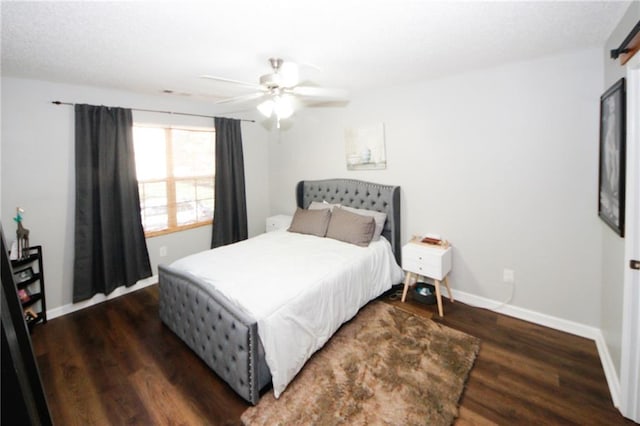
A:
x,y
502,162
613,265
38,171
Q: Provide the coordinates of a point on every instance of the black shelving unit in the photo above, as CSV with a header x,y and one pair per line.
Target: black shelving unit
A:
x,y
33,282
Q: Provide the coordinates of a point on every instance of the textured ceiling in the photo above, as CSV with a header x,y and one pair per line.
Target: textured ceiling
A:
x,y
148,46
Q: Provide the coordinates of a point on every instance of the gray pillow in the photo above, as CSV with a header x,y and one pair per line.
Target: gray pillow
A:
x,y
351,227
379,217
312,222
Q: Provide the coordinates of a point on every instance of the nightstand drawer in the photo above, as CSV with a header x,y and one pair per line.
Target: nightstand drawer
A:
x,y
432,262
425,257
423,268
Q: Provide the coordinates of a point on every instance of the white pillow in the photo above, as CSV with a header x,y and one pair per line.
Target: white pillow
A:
x,y
379,217
323,205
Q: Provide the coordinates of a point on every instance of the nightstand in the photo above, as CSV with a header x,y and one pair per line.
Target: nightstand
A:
x,y
427,260
278,222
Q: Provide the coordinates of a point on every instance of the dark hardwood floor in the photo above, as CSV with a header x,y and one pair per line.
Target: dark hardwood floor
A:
x,y
115,363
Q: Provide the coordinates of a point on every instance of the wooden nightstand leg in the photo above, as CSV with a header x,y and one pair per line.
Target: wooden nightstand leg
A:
x,y
446,282
407,282
438,297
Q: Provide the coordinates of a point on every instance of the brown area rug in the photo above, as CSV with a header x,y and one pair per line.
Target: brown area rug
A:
x,y
386,366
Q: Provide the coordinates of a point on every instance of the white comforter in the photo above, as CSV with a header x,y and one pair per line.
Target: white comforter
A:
x,y
299,288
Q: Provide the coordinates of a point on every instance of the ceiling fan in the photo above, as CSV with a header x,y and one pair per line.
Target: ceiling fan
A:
x,y
278,91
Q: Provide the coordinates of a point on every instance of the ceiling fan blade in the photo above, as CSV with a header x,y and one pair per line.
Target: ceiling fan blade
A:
x,y
229,80
290,74
242,98
320,93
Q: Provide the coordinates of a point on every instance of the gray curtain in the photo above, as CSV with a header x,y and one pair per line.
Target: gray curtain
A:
x,y
110,248
230,204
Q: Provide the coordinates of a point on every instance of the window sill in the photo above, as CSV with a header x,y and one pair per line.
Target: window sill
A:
x,y
161,232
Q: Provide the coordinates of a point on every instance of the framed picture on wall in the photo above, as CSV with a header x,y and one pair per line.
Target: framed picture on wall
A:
x,y
365,147
612,157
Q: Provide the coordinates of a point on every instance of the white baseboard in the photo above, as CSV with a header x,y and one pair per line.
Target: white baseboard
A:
x,y
560,324
609,369
99,298
528,315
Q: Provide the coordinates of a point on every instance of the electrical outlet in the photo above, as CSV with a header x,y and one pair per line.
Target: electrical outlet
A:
x,y
163,251
508,276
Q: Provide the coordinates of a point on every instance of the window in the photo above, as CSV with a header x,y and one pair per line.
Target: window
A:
x,y
176,170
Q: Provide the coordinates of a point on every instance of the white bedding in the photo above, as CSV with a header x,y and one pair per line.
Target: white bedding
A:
x,y
299,288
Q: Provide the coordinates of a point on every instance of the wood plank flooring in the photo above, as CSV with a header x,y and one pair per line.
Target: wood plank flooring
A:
x,y
116,363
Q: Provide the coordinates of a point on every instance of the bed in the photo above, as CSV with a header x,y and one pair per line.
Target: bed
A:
x,y
226,336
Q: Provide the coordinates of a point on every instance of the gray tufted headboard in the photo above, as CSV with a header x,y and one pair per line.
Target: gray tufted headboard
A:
x,y
358,194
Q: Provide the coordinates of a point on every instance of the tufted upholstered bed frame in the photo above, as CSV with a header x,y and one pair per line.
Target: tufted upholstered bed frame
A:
x,y
225,337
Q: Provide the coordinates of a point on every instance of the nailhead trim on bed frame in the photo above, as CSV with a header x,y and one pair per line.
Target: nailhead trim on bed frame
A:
x,y
225,340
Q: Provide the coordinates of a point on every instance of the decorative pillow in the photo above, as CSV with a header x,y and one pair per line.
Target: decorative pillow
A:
x,y
312,222
379,217
351,227
323,205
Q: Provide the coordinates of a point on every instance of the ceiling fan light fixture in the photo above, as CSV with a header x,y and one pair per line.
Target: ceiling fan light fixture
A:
x,y
280,106
283,107
266,108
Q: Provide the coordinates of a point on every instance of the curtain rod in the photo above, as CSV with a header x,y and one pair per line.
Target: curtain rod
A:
x,y
158,111
623,48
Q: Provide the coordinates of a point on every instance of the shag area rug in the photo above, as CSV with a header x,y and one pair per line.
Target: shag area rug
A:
x,y
386,366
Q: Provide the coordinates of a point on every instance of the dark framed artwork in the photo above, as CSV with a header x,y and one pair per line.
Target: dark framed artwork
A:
x,y
611,189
